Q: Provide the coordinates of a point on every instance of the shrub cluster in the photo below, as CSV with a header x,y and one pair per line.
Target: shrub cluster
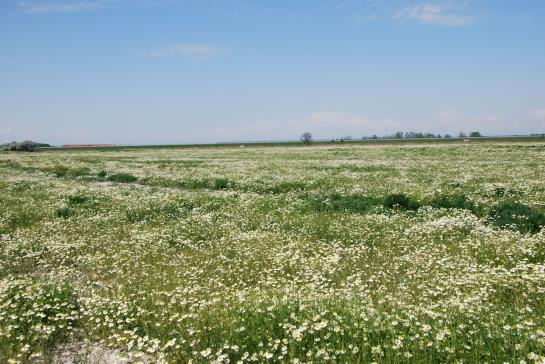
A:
x,y
506,214
64,171
401,201
122,178
64,212
518,216
452,201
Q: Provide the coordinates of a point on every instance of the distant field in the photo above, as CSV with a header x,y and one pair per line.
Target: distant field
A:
x,y
503,139
386,251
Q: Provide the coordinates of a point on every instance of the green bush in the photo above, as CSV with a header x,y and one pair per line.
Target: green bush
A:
x,y
453,201
64,212
196,184
76,199
287,186
401,201
518,216
136,215
64,171
102,174
122,178
220,183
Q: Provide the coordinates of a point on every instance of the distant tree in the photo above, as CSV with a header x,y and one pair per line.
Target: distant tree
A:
x,y
374,136
26,146
398,135
414,135
447,136
462,135
306,137
475,134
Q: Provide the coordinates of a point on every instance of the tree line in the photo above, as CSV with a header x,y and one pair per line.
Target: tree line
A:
x,y
306,137
419,135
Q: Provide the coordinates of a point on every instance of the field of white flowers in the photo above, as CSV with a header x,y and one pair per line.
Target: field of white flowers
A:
x,y
341,253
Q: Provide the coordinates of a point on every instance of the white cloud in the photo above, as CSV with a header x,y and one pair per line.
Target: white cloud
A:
x,y
34,7
75,6
538,114
433,13
193,51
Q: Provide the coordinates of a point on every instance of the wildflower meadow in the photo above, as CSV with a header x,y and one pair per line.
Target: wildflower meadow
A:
x,y
324,253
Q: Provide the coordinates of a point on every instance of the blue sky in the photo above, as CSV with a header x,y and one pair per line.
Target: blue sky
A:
x,y
175,71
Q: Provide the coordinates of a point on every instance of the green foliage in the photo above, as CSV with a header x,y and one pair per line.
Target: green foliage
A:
x,y
401,201
64,212
76,199
162,182
220,183
190,184
102,174
198,184
122,178
518,216
452,201
64,171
